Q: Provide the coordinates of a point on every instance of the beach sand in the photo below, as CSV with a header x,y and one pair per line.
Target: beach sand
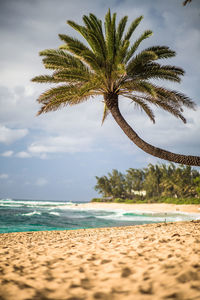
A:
x,y
155,261
153,207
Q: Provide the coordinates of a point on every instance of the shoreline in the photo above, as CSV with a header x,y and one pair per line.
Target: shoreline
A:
x,y
151,207
153,261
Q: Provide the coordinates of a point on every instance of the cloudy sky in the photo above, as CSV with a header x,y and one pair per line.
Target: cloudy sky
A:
x,y
58,155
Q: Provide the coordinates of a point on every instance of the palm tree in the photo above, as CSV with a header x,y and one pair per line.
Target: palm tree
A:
x,y
109,66
111,186
134,180
103,186
153,178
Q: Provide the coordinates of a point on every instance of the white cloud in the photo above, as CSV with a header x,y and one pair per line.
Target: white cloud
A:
x,y
18,106
41,181
60,144
9,136
7,153
23,154
4,176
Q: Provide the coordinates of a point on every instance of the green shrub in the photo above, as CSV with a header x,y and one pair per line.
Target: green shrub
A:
x,y
171,200
139,200
118,200
97,200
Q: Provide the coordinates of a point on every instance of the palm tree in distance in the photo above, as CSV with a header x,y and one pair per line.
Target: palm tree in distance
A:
x,y
110,66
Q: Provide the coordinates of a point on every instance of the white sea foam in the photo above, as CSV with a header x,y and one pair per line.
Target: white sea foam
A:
x,y
32,213
136,215
54,213
9,204
150,217
30,203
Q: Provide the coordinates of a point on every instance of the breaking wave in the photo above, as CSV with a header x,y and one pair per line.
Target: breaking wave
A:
x,y
29,215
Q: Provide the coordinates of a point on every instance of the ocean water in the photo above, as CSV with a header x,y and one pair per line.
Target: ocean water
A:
x,y
29,215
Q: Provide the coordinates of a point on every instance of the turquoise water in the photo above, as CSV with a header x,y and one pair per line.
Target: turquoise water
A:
x,y
29,215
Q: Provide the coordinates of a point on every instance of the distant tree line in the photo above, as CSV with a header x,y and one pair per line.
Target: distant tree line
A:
x,y
156,182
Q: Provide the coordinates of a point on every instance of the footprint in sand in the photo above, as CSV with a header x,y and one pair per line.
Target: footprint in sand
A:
x,y
188,276
146,288
86,283
74,298
126,272
105,261
81,270
102,296
18,269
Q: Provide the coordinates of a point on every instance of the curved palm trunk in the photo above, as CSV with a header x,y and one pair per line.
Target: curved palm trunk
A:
x,y
112,104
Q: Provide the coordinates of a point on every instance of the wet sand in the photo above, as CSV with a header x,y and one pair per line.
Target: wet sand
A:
x,y
155,261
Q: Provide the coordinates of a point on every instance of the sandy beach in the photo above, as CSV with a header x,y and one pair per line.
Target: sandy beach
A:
x,y
155,261
153,207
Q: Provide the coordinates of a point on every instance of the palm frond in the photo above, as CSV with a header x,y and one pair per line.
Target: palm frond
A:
x,y
174,69
81,29
146,87
59,59
120,30
140,60
95,35
83,52
98,24
151,70
132,50
89,58
141,103
73,45
72,74
132,28
172,109
88,35
61,91
105,113
58,97
175,97
59,102
110,36
163,74
171,97
45,79
122,52
162,51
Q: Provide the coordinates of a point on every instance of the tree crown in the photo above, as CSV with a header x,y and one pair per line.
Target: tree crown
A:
x,y
110,64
